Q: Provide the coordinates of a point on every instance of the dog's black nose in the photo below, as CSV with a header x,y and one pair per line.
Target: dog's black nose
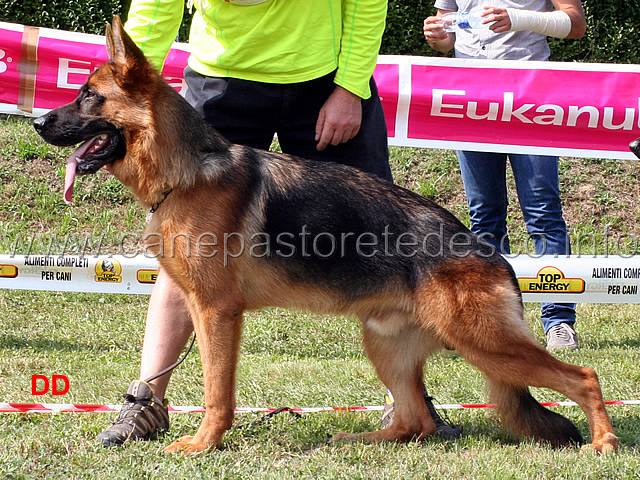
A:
x,y
40,122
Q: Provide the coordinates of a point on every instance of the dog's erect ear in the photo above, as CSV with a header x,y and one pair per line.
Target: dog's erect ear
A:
x,y
122,51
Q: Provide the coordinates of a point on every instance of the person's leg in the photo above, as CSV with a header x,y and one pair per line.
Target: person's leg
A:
x,y
167,329
484,179
536,179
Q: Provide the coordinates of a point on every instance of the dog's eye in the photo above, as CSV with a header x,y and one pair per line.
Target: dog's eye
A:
x,y
91,96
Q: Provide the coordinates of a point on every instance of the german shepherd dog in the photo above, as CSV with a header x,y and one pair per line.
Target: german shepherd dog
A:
x,y
324,237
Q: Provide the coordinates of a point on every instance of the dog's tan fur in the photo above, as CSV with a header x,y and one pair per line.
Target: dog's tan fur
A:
x,y
469,303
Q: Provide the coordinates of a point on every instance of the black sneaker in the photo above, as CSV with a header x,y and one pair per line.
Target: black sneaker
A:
x,y
140,417
444,429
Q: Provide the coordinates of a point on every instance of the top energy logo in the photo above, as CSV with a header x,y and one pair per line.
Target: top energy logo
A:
x,y
551,279
108,270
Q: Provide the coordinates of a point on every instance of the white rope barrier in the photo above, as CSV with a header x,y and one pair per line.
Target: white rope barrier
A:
x,y
569,279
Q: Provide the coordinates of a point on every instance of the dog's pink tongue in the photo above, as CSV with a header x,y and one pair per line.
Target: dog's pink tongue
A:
x,y
70,174
69,178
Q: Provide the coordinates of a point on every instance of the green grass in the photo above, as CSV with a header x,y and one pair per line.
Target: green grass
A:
x,y
288,359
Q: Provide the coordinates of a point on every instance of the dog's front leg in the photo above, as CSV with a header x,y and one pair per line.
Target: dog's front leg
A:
x,y
218,330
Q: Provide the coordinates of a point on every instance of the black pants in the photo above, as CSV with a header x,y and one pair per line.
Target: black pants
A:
x,y
250,113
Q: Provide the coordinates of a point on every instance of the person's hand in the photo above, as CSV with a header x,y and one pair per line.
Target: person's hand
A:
x,y
339,118
433,30
436,36
500,17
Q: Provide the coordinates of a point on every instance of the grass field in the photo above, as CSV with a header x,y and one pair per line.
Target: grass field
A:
x,y
288,359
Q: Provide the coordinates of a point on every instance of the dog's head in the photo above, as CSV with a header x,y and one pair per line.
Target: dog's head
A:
x,y
635,147
109,109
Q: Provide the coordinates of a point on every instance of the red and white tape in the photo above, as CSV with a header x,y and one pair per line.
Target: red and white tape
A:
x,y
83,408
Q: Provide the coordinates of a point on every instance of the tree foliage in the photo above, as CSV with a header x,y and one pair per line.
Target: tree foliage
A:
x,y
613,33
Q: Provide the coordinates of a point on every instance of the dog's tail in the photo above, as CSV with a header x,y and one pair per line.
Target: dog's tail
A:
x,y
525,416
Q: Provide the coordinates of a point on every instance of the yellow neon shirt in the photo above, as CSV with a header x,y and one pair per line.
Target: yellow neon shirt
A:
x,y
276,41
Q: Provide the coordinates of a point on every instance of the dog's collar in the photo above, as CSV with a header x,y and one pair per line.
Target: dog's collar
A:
x,y
156,205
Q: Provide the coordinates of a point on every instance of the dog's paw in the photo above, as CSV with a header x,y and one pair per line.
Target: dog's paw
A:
x,y
187,446
607,444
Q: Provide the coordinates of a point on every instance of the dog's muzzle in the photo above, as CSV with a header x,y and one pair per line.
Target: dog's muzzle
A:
x,y
101,143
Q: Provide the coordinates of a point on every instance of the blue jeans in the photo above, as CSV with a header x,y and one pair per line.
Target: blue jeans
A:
x,y
536,177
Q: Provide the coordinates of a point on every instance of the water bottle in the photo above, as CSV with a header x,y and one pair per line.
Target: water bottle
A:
x,y
454,20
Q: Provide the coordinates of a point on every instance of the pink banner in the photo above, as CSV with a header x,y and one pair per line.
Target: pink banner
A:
x,y
571,109
513,106
41,69
387,76
10,55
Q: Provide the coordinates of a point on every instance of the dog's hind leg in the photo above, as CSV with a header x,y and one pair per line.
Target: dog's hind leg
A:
x,y
511,372
485,325
397,349
218,330
536,367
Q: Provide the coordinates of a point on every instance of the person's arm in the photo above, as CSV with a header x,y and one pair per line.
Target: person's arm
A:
x,y
566,21
340,117
435,35
363,23
153,26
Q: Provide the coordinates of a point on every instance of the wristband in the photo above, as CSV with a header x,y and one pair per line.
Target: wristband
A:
x,y
552,24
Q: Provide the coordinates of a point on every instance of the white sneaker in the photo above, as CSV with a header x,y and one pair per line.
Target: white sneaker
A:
x,y
562,336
